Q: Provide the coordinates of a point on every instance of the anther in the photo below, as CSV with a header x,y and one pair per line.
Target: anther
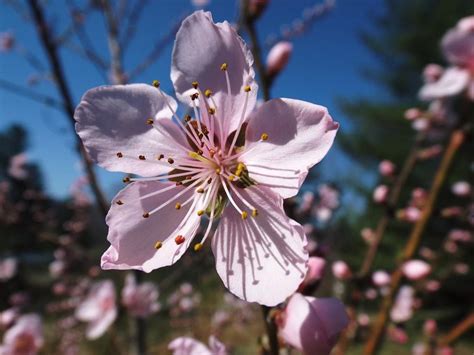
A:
x,y
240,169
244,214
119,202
195,84
247,88
254,212
155,83
179,183
161,156
197,247
218,171
187,118
179,239
208,93
194,96
146,215
212,152
224,66
158,245
211,110
177,206
200,190
200,152
119,155
231,177
170,160
149,121
209,181
141,157
126,179
264,136
200,212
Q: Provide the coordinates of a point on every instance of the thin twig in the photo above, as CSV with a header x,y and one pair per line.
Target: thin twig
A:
x,y
378,329
133,19
57,69
459,329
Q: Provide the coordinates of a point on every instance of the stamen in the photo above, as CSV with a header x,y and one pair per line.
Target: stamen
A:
x,y
141,157
161,156
158,245
119,155
179,239
170,160
254,212
149,121
195,84
224,185
155,83
177,206
197,246
187,118
244,214
241,121
211,110
208,93
247,88
264,136
119,202
200,190
200,213
146,215
126,179
224,67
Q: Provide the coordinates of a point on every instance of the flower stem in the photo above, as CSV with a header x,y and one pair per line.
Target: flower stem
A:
x,y
458,330
375,339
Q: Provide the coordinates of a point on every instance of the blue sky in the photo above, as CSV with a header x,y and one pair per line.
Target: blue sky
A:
x,y
324,66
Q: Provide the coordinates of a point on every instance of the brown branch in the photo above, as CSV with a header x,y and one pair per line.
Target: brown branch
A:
x,y
113,41
57,69
378,329
459,329
133,19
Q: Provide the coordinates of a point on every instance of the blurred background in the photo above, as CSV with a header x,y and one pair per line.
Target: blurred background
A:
x,y
362,59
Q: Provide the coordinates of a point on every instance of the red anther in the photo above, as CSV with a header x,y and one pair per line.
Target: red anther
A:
x,y
179,239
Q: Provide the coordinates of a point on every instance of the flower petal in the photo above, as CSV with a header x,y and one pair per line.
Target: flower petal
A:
x,y
200,49
188,346
299,136
112,119
452,82
133,237
99,326
458,43
260,259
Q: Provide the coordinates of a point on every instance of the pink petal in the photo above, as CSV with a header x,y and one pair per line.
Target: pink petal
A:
x,y
188,346
216,347
112,119
313,325
27,331
458,43
133,237
299,136
416,269
260,259
452,82
98,327
201,47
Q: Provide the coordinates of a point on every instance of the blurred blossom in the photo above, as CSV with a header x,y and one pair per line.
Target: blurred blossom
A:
x,y
460,235
461,189
278,57
307,201
386,168
368,235
327,203
315,272
420,124
98,309
397,335
311,324
430,152
461,268
370,293
7,41
432,285
57,268
8,268
140,300
200,3
19,298
186,288
380,194
413,113
363,319
7,317
416,269
450,247
25,337
418,197
450,212
381,278
432,73
341,270
17,167
410,214
190,346
402,309
429,327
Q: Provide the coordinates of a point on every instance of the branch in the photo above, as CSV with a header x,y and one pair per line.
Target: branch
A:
x,y
458,330
57,69
378,329
132,22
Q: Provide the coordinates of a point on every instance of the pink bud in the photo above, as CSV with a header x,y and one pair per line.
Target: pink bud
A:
x,y
430,152
363,319
461,268
368,235
381,278
461,189
432,285
413,113
380,194
432,73
278,57
386,168
416,269
315,270
430,327
341,270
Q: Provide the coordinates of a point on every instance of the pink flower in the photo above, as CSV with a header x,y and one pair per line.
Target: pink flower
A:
x,y
432,73
311,324
315,271
461,188
8,268
429,327
190,346
413,113
381,278
98,309
229,162
458,48
402,309
416,269
380,194
17,167
278,57
397,335
386,168
140,300
24,338
341,270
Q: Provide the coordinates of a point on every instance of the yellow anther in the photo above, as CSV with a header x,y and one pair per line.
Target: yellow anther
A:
x,y
231,178
119,202
200,212
254,212
119,155
141,157
195,84
177,206
200,190
208,93
218,171
187,118
244,214
247,88
240,169
158,245
126,179
149,121
155,83
211,110
197,247
224,66
264,136
146,215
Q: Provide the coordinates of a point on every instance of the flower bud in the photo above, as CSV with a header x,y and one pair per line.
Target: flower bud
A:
x,y
386,168
341,270
257,7
416,269
278,58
